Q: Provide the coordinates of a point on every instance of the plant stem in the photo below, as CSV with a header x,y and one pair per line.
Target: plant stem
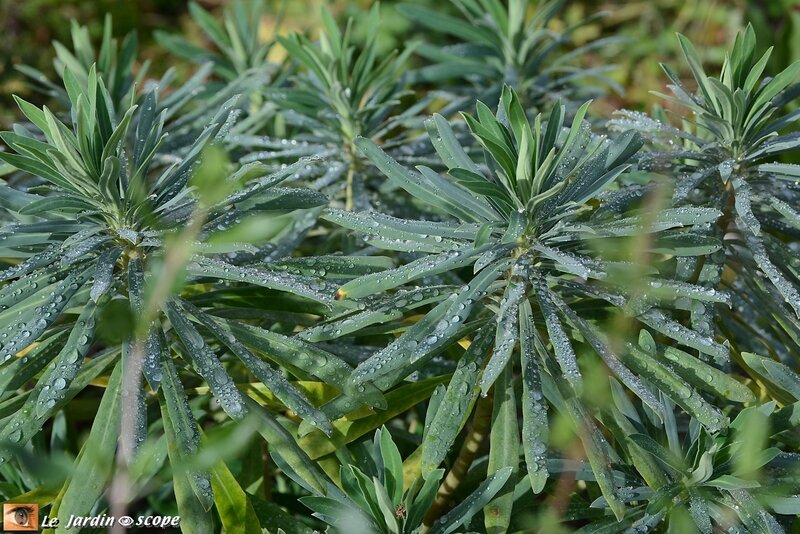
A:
x,y
348,203
352,163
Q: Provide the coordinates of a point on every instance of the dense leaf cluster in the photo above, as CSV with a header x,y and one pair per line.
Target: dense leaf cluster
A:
x,y
441,297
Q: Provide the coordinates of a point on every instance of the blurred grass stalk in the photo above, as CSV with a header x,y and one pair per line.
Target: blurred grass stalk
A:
x,y
211,185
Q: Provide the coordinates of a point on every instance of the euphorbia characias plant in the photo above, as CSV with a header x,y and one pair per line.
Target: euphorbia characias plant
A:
x,y
423,290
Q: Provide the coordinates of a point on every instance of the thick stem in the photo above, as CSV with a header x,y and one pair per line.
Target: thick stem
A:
x,y
348,202
478,431
352,168
726,222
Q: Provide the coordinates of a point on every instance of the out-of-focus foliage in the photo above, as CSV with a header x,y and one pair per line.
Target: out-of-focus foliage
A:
x,y
288,267
30,26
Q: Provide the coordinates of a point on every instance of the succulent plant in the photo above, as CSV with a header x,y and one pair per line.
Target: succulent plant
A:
x,y
309,295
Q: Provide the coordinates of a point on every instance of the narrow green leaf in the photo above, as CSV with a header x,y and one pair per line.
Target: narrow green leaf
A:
x,y
535,427
503,450
347,430
430,187
472,504
68,362
96,460
676,389
434,331
308,287
274,380
205,362
703,376
776,372
392,467
284,445
453,411
235,510
507,333
293,353
425,266
104,272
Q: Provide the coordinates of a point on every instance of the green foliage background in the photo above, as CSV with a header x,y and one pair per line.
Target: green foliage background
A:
x,y
29,27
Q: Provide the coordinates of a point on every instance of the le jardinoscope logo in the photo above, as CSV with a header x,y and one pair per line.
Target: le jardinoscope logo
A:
x,y
25,517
